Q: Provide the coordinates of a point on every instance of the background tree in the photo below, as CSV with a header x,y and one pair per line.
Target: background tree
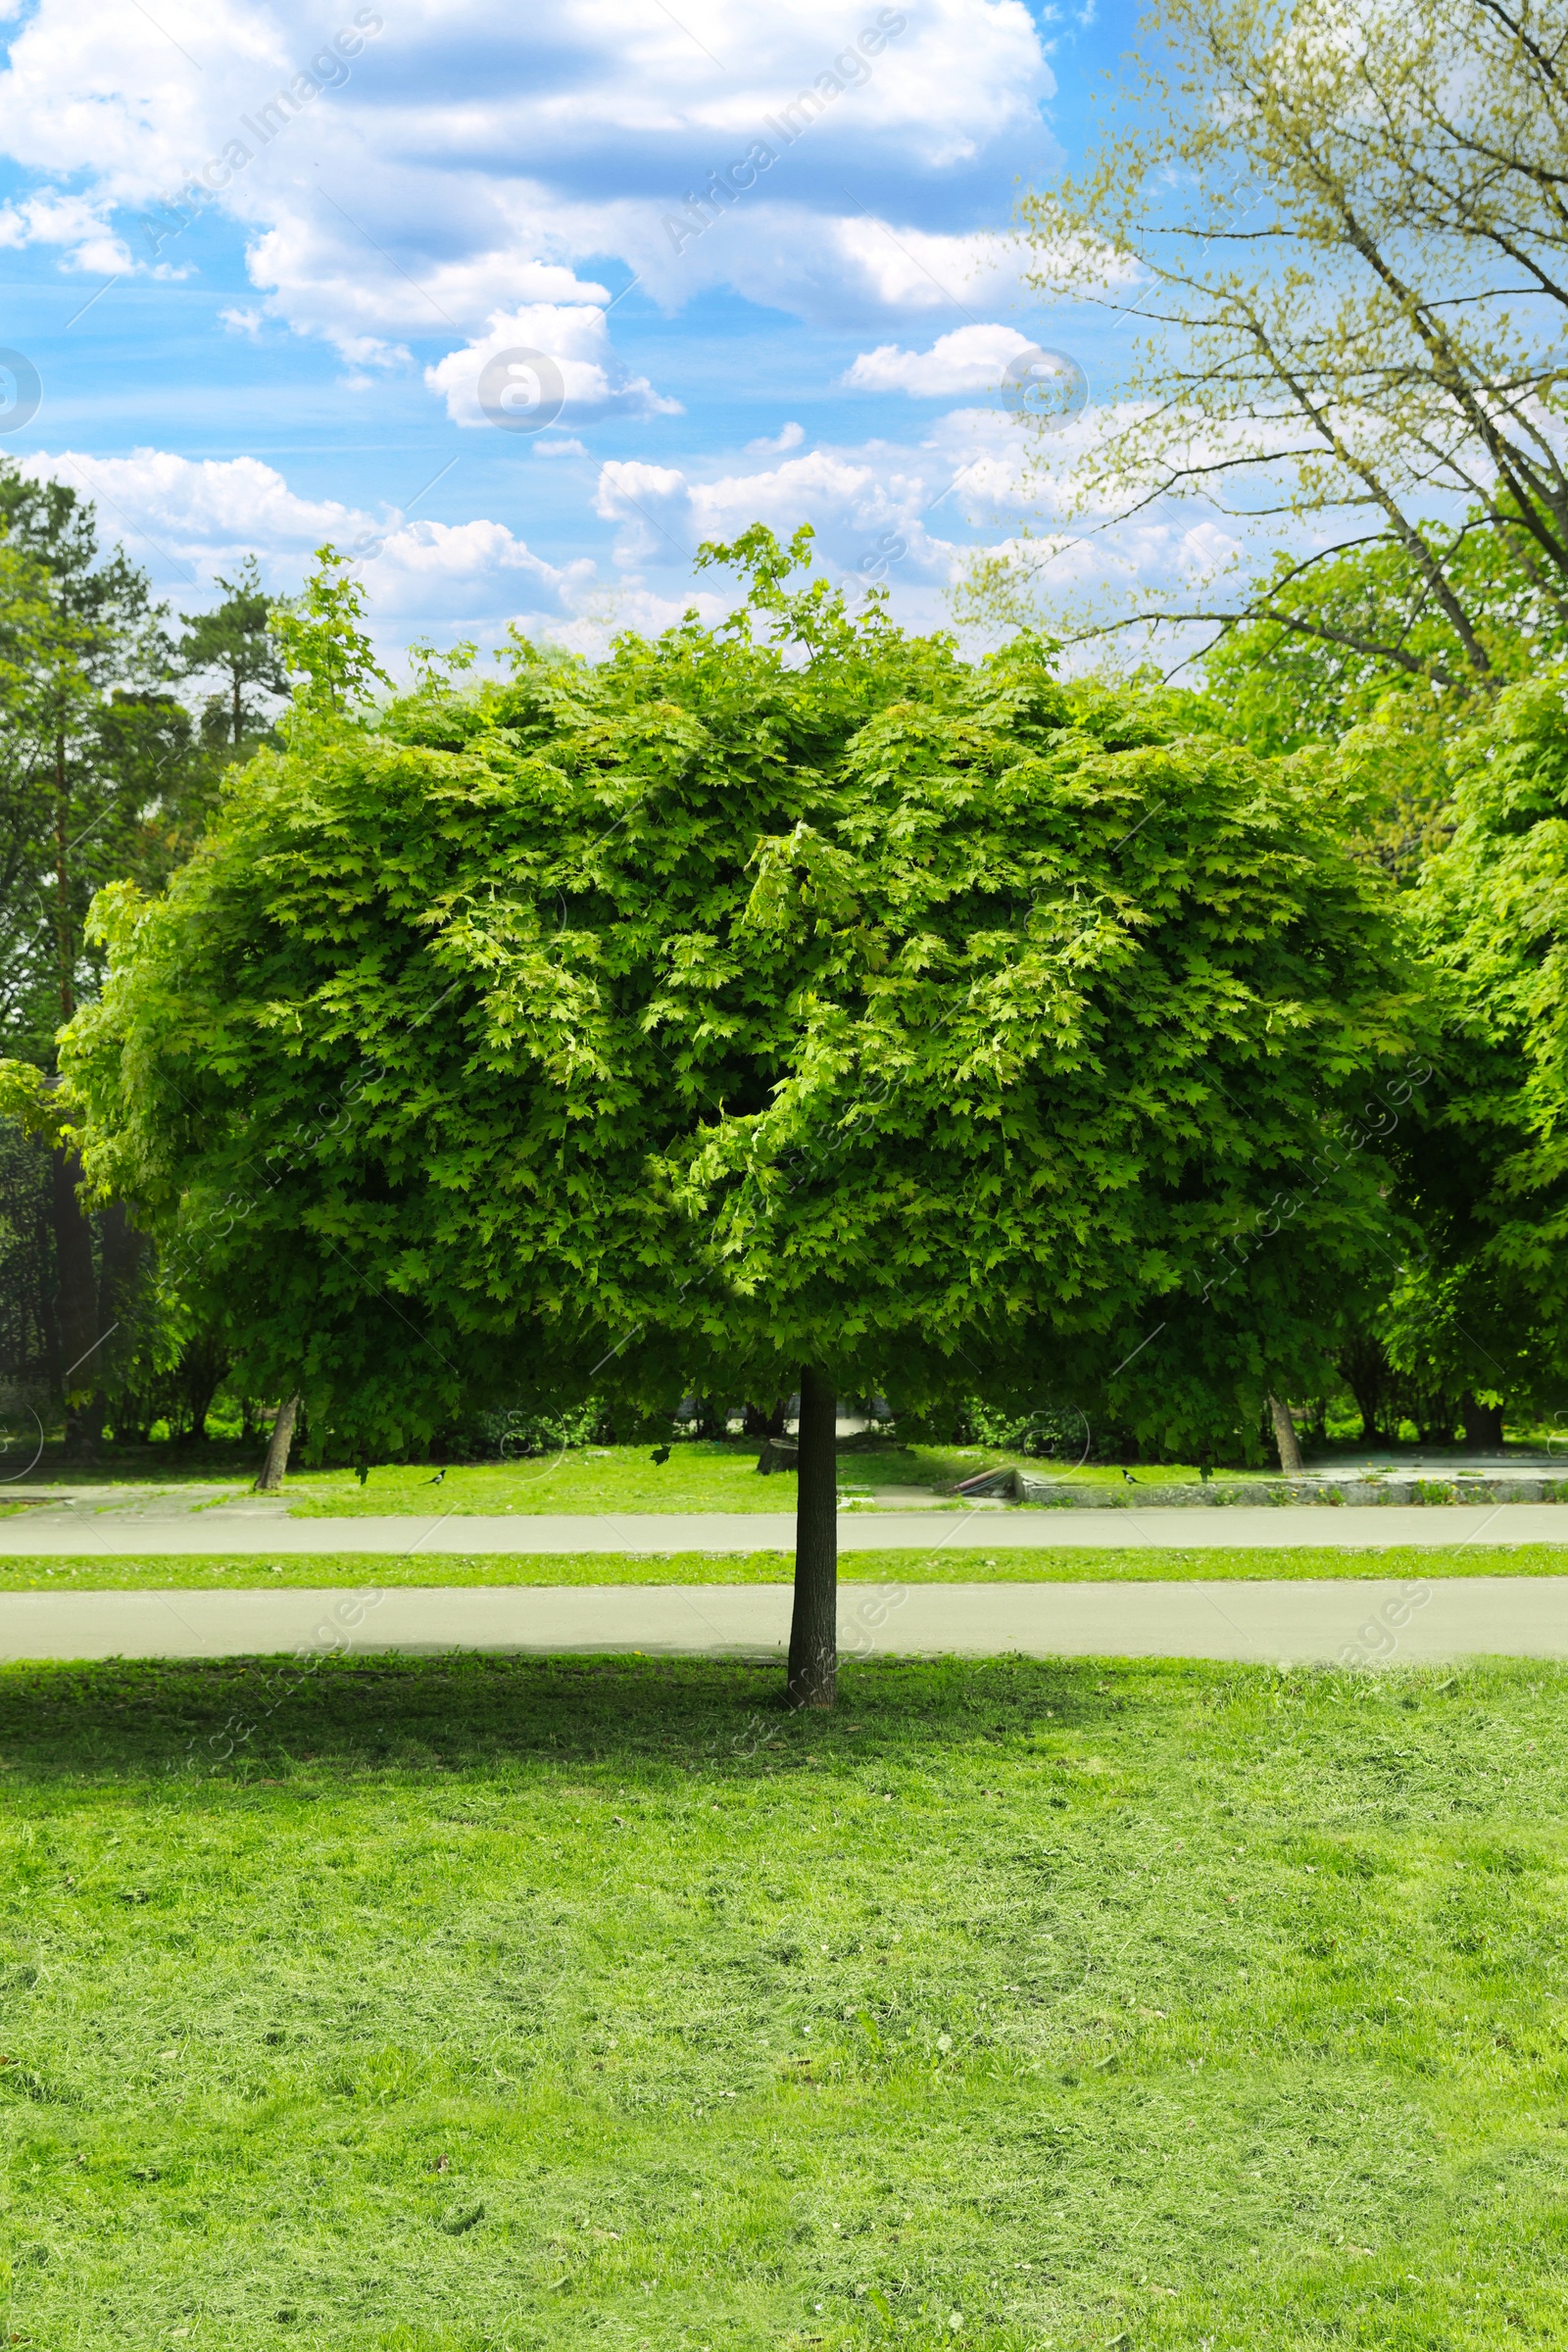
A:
x,y
1487,1172
76,624
791,1006
101,776
1344,235
236,640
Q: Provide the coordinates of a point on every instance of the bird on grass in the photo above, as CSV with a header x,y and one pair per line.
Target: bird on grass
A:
x,y
1128,1476
661,1453
436,1480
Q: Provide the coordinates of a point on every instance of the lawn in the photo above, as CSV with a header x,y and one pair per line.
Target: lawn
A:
x,y
510,2003
171,1571
699,1475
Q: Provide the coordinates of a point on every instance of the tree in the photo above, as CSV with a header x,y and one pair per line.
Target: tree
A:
x,y
1344,234
795,1005
1487,1171
100,777
237,640
74,624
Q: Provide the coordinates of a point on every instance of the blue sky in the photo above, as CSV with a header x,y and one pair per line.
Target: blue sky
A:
x,y
297,350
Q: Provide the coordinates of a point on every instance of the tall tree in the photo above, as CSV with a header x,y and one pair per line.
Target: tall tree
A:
x,y
100,777
235,641
1487,1171
1344,236
796,1006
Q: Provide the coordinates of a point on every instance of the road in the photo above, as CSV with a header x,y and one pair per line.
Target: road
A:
x,y
90,1530
1368,1623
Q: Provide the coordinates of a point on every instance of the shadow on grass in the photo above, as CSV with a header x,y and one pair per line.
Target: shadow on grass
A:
x,y
238,1716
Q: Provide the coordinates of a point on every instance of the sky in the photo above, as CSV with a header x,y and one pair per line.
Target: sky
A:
x,y
516,304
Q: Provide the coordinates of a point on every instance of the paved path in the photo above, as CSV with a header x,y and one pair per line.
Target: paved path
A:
x,y
85,1531
1376,1622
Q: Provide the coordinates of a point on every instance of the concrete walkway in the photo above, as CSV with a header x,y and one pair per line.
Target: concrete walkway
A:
x,y
52,1530
1371,1623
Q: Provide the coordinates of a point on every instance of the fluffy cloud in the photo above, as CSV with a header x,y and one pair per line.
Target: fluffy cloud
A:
x,y
463,159
198,517
912,521
551,362
867,508
969,360
465,569
76,222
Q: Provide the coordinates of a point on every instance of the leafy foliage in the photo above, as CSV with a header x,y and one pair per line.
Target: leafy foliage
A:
x,y
95,758
795,994
1491,1179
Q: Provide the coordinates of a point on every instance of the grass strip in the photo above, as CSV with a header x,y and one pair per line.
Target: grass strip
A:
x,y
451,2005
174,1572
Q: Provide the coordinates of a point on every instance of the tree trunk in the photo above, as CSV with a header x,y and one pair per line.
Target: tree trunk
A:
x,y
1483,1425
120,1254
1285,1436
75,1300
1366,1374
65,940
814,1627
271,1481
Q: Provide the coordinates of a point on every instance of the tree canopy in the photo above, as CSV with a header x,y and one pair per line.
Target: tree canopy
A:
x,y
237,641
1488,1176
791,994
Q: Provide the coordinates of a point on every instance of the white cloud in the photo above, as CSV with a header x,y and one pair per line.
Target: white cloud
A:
x,y
202,516
462,569
790,437
76,222
912,518
861,504
560,449
572,371
969,360
471,158
601,614
200,513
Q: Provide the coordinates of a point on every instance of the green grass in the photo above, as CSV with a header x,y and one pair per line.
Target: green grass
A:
x,y
701,1475
506,2003
172,1571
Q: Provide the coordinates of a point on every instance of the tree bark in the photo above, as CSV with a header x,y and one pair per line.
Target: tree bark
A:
x,y
271,1481
75,1299
120,1254
814,1627
1285,1435
65,942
